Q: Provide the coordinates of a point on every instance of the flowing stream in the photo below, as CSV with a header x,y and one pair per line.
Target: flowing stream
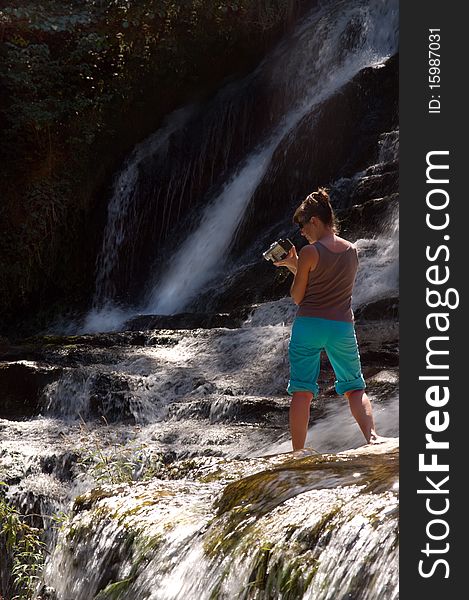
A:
x,y
165,453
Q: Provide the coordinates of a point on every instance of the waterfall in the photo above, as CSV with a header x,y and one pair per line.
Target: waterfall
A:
x,y
122,206
197,259
200,257
331,45
169,450
378,276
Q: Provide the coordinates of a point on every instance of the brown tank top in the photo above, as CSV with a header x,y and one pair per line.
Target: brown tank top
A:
x,y
328,293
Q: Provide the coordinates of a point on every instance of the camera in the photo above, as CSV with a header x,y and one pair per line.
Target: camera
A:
x,y
278,250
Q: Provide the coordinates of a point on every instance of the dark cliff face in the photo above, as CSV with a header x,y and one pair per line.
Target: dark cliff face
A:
x,y
340,139
334,141
174,182
82,84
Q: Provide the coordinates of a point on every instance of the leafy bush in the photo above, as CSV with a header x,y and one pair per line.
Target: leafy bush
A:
x,y
24,547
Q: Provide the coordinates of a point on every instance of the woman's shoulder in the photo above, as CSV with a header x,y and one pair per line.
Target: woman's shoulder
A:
x,y
309,248
310,255
343,243
337,244
309,251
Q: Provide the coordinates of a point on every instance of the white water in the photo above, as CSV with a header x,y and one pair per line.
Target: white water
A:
x,y
316,66
122,203
337,430
195,577
100,320
145,381
198,259
378,275
210,376
309,67
317,521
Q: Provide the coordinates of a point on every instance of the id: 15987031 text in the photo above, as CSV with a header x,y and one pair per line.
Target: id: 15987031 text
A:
x,y
434,71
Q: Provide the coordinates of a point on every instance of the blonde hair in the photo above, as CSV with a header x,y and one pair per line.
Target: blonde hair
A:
x,y
317,204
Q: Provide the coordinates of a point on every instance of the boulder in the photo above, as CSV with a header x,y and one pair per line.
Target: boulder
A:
x,y
21,384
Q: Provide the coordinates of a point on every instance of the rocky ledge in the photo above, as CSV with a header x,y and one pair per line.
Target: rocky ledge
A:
x,y
271,525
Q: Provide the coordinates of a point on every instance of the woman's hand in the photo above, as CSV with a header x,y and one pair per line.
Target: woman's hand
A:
x,y
290,261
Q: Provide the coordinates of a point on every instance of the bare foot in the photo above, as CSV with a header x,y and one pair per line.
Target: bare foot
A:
x,y
305,451
378,439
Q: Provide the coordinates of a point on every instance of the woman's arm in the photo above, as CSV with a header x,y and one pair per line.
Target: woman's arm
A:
x,y
307,261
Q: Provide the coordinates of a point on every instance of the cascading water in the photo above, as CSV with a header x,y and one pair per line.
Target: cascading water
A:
x,y
307,529
167,447
126,187
201,255
219,403
200,258
332,44
378,276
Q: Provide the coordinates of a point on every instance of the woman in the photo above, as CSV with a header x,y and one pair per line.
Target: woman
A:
x,y
324,273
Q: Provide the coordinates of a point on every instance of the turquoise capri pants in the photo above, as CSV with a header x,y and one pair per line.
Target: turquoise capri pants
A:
x,y
311,335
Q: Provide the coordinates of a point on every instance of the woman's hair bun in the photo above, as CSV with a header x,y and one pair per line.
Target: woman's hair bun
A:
x,y
321,196
317,204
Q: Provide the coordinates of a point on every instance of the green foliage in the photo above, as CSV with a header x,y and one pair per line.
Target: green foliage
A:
x,y
103,52
118,462
122,465
23,544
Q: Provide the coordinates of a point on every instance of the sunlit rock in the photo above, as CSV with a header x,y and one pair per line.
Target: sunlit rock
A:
x,y
296,527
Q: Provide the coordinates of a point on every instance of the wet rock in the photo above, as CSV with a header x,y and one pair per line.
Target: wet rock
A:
x,y
186,321
94,394
21,351
84,350
277,522
272,412
253,283
41,496
375,185
383,358
21,385
386,167
369,217
62,466
100,340
379,344
386,308
340,138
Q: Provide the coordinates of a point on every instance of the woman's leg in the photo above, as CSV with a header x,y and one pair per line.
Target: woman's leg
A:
x,y
360,407
304,351
299,418
342,350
